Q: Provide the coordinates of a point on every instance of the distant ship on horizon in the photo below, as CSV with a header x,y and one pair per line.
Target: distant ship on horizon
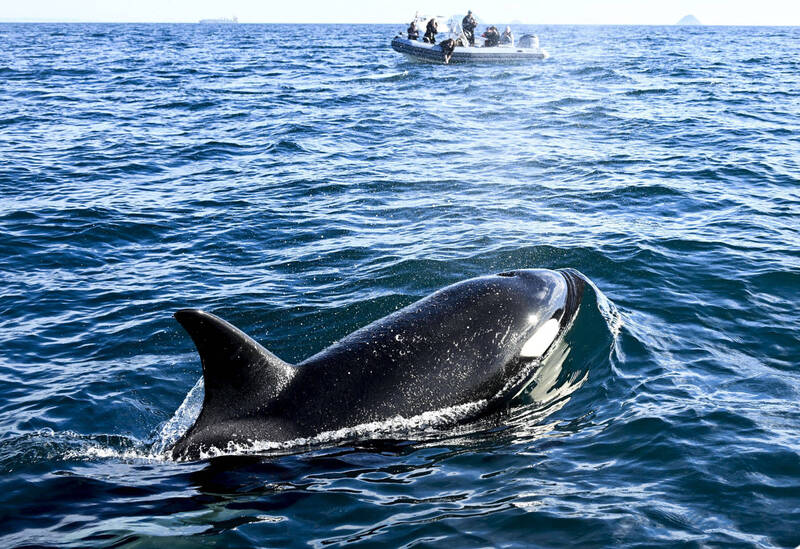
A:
x,y
222,21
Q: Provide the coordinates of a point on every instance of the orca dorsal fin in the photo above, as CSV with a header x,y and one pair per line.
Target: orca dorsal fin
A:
x,y
240,376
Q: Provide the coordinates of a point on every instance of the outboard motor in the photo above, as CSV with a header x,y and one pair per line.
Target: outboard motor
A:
x,y
528,41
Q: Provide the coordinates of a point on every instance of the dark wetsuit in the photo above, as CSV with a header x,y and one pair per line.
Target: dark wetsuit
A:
x,y
412,32
448,46
430,32
492,38
468,25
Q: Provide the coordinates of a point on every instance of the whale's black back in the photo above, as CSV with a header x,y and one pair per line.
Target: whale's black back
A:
x,y
448,349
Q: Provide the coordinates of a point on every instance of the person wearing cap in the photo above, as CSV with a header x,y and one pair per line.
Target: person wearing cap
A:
x,y
507,37
468,24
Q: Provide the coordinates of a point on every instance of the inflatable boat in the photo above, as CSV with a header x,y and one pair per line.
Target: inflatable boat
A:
x,y
452,44
430,53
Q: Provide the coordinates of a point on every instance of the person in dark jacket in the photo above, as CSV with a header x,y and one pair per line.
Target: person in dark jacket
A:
x,y
448,46
492,37
468,25
412,32
430,31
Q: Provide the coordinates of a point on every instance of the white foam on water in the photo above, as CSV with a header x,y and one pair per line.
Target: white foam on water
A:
x,y
184,417
170,431
74,446
418,426
385,76
107,452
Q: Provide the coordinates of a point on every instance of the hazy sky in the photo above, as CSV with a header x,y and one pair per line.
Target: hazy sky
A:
x,y
714,12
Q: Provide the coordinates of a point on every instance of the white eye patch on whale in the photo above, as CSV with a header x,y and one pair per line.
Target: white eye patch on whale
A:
x,y
540,341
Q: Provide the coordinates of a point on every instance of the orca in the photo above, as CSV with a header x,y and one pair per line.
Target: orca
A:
x,y
480,340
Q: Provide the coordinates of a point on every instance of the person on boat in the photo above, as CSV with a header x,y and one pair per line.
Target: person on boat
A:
x,y
430,31
508,37
413,32
448,46
492,37
468,25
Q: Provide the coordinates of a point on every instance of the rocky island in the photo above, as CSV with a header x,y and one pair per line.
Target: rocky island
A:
x,y
689,20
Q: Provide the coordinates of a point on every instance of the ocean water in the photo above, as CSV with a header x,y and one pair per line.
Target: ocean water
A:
x,y
302,182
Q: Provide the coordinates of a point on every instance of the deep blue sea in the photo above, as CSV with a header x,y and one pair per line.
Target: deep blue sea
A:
x,y
304,181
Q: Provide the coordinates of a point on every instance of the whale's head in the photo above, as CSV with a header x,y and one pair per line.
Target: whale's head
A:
x,y
532,310
493,327
546,303
481,339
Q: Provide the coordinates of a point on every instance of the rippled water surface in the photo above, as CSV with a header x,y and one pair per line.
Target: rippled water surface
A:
x,y
303,182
